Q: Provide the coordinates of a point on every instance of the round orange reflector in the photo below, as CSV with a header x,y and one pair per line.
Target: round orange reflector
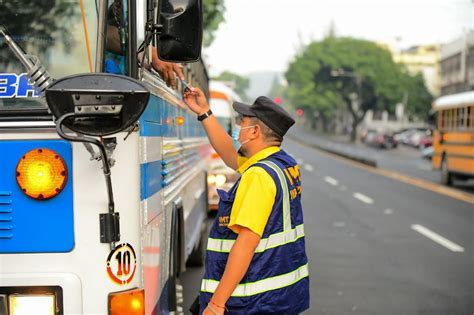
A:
x,y
41,174
179,121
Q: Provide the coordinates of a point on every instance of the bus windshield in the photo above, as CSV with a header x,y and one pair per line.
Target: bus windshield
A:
x,y
56,33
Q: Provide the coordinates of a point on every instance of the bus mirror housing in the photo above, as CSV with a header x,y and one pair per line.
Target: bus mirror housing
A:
x,y
97,104
180,37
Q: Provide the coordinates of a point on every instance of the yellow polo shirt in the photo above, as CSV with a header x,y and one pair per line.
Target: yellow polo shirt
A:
x,y
255,195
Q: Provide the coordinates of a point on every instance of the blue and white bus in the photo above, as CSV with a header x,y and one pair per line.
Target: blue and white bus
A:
x,y
62,249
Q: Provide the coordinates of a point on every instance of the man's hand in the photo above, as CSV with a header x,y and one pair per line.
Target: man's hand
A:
x,y
167,70
196,100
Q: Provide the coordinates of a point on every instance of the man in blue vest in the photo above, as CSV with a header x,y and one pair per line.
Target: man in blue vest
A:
x,y
256,261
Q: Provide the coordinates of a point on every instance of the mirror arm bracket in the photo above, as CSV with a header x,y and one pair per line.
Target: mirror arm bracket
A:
x,y
109,222
154,28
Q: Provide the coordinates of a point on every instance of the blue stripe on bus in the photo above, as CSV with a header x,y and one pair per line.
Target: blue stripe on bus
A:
x,y
150,179
158,118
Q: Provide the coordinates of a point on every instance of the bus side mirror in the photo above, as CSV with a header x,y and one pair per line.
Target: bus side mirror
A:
x,y
97,104
180,38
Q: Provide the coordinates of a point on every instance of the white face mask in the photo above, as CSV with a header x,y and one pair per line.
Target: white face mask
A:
x,y
236,136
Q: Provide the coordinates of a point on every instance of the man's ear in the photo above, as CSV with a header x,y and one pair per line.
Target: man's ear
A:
x,y
257,131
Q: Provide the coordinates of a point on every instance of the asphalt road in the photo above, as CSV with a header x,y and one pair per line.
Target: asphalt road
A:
x,y
403,159
377,245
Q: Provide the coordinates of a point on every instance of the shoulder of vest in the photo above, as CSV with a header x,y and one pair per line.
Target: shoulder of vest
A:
x,y
261,164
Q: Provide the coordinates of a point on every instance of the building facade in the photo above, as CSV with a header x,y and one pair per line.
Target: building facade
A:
x,y
457,65
423,59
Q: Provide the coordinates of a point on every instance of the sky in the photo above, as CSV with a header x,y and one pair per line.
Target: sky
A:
x,y
265,35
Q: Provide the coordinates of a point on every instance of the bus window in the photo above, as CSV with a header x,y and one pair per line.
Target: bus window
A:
x,y
115,60
460,120
53,33
470,117
441,120
450,119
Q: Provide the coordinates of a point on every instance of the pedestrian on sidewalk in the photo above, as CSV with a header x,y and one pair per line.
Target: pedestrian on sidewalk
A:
x,y
256,261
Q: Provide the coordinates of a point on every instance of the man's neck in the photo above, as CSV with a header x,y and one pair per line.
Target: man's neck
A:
x,y
257,148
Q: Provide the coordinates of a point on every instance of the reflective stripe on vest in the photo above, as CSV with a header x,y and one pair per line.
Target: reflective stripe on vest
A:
x,y
288,235
261,286
274,240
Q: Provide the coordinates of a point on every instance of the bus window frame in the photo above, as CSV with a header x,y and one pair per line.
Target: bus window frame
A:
x,y
132,39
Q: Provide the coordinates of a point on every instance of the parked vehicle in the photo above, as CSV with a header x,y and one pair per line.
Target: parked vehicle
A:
x,y
427,153
425,142
415,137
380,139
420,138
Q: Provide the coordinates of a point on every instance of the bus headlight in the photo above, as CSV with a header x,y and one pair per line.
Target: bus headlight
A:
x,y
41,174
211,179
220,180
32,304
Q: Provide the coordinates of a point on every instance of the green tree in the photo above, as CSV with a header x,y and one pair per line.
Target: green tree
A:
x,y
356,73
44,21
417,97
213,16
240,83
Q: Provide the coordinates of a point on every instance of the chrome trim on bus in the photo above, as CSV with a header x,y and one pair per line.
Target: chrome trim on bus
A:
x,y
158,87
174,189
27,124
99,54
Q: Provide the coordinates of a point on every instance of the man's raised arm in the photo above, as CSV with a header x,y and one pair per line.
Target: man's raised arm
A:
x,y
218,137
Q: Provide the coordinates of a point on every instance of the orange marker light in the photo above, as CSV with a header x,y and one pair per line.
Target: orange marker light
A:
x,y
130,302
41,174
179,121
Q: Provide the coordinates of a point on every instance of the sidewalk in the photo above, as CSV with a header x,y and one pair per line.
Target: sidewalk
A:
x,y
335,144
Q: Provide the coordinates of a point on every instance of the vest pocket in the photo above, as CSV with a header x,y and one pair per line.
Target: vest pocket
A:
x,y
223,213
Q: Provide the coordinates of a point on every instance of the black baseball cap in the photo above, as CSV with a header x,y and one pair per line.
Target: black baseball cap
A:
x,y
272,114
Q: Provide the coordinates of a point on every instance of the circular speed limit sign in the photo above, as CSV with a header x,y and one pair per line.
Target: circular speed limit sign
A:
x,y
122,264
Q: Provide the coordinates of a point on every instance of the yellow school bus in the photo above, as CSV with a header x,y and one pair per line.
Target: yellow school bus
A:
x,y
453,142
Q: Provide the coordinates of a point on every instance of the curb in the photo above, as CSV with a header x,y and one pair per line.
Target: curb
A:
x,y
353,157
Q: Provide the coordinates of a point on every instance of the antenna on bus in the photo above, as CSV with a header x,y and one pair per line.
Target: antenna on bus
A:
x,y
37,74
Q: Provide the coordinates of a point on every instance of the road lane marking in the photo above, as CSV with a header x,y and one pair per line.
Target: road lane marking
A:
x,y
437,238
436,188
425,168
388,211
330,180
339,224
308,167
363,198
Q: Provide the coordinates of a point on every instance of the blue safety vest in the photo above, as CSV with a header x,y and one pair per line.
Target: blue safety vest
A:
x,y
277,281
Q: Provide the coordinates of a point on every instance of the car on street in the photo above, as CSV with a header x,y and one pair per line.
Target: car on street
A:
x,y
379,139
